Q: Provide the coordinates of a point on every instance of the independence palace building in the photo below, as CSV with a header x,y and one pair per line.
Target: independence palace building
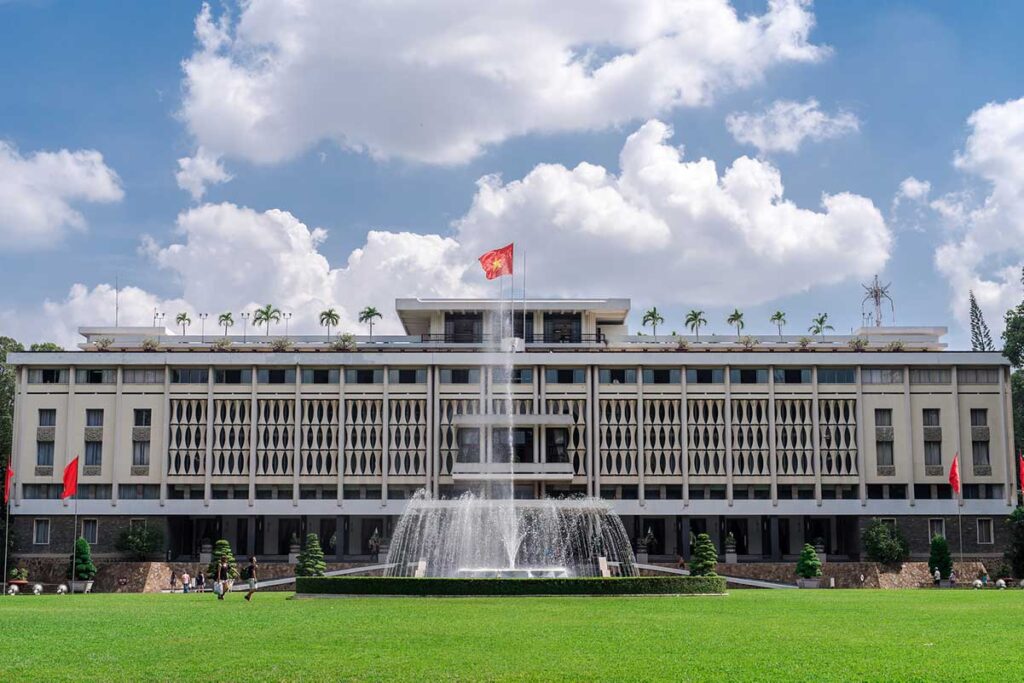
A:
x,y
775,440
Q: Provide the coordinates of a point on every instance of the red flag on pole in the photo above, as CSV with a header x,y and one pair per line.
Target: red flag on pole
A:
x,y
70,479
8,478
1020,467
954,474
497,262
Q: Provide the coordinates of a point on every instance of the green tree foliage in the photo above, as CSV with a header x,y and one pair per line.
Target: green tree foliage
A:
x,y
1013,334
222,549
1015,546
45,346
981,338
1017,401
939,557
705,557
884,543
311,559
7,345
809,564
85,570
140,541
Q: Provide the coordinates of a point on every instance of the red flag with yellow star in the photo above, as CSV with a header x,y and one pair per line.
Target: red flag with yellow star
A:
x,y
497,262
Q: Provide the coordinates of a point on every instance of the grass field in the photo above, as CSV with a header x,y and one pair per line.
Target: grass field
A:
x,y
749,634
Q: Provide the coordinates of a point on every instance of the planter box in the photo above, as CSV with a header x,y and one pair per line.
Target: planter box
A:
x,y
730,557
809,583
293,554
641,557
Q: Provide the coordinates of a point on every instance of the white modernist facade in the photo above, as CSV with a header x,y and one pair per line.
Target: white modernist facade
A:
x,y
775,440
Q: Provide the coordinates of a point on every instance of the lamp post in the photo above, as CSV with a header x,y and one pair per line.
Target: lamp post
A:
x,y
202,327
287,317
158,317
245,325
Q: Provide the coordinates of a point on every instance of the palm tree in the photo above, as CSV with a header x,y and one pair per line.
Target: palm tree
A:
x,y
328,318
736,319
696,320
778,319
226,320
367,315
183,320
266,315
653,318
819,324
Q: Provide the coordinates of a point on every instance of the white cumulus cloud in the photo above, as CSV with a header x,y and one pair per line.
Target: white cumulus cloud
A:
x,y
438,82
785,125
198,171
38,194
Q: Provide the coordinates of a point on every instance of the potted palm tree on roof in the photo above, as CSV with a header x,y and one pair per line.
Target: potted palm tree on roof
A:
x,y
819,324
653,318
226,320
367,315
266,315
183,320
736,320
328,319
779,320
695,320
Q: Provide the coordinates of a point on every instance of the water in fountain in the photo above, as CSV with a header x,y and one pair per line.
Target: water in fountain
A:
x,y
495,534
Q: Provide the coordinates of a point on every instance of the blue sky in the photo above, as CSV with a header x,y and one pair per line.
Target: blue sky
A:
x,y
109,77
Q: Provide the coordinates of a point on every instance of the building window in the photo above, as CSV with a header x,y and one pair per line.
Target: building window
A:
x,y
933,453
90,530
137,522
979,417
564,376
883,417
275,375
836,376
930,376
979,453
94,417
985,535
518,445
977,375
48,376
93,453
190,375
138,491
882,375
143,376
143,417
232,376
47,417
94,491
463,328
936,527
617,375
705,376
556,440
661,375
44,453
364,376
140,454
320,375
518,376
41,531
407,376
41,491
562,328
460,375
748,376
930,417
468,440
792,375
95,376
883,453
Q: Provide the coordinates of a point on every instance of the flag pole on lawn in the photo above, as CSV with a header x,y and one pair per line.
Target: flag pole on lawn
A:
x,y
71,489
954,481
8,476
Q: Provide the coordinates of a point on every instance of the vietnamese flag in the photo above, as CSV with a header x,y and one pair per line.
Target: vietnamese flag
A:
x,y
70,479
497,262
954,474
8,478
1020,467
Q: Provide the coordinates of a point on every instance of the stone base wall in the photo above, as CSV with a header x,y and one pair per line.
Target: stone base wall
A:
x,y
851,574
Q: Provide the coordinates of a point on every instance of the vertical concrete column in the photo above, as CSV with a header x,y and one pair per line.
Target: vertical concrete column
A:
x,y
208,457
18,456
69,442
431,454
728,433
297,440
485,409
1006,435
861,460
165,446
684,421
773,464
641,446
816,434
593,417
909,429
253,434
436,436
385,439
341,442
119,434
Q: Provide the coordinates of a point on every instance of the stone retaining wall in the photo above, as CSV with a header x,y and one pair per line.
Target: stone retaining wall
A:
x,y
850,574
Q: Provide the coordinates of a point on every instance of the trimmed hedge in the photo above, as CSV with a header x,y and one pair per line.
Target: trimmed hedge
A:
x,y
377,585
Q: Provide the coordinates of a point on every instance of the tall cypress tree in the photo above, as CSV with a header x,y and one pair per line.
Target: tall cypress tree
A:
x,y
981,338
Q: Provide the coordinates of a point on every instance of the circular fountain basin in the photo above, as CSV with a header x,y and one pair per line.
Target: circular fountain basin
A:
x,y
513,573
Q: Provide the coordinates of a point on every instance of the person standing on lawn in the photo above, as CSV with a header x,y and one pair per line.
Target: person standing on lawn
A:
x,y
186,581
222,578
250,574
201,582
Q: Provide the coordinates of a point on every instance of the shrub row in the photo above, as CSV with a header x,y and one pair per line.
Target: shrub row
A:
x,y
375,585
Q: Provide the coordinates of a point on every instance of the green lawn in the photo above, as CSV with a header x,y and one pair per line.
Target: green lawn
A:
x,y
749,634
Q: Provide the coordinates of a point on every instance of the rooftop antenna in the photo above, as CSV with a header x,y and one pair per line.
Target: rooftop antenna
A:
x,y
875,293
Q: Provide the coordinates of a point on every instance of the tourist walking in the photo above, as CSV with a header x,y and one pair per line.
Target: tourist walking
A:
x,y
938,577
186,582
201,582
250,575
222,578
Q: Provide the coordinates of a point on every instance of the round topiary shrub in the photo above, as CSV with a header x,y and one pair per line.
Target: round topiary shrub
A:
x,y
85,570
809,564
705,557
883,543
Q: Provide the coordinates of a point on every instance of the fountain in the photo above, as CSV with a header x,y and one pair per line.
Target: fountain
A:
x,y
496,535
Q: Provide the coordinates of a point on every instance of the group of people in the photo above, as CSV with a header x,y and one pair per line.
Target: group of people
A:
x,y
222,580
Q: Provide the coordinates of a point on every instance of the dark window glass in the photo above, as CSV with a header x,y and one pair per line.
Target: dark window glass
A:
x,y
463,328
140,453
320,376
564,376
468,440
837,375
407,376
189,375
93,453
979,417
47,417
232,376
930,417
792,375
276,375
460,375
617,375
705,376
518,375
557,444
661,375
364,376
883,452
748,375
143,417
563,328
94,417
933,453
979,452
520,442
883,417
44,453
95,376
